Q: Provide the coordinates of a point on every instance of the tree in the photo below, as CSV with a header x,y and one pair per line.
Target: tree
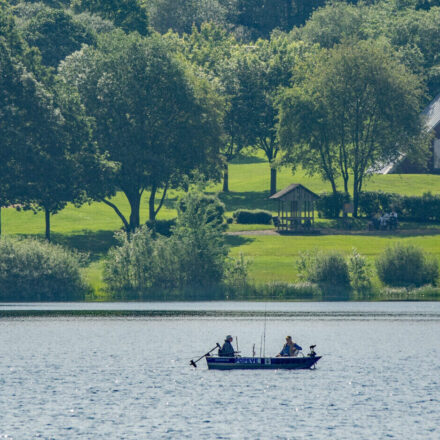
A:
x,y
270,70
28,120
153,117
218,54
56,34
362,107
129,15
64,166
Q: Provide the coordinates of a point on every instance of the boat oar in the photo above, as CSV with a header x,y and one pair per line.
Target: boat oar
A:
x,y
193,363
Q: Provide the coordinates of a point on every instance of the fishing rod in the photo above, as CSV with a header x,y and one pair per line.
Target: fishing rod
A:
x,y
193,363
265,320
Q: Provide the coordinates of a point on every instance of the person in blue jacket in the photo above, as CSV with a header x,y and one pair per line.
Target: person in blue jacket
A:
x,y
227,350
290,348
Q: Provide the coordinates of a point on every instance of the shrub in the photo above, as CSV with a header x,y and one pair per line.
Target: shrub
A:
x,y
406,265
193,261
419,208
330,205
288,291
31,270
360,272
248,217
328,269
207,205
162,227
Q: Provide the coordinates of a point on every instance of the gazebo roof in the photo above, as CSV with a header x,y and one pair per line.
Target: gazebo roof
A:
x,y
290,188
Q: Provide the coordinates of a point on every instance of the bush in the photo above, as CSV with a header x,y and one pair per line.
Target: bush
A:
x,y
360,272
256,217
192,262
328,269
371,202
204,204
31,270
162,227
420,208
406,265
330,205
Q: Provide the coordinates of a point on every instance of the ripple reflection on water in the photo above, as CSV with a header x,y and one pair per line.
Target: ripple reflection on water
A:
x,y
117,378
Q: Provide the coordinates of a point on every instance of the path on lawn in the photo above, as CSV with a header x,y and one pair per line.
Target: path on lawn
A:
x,y
327,231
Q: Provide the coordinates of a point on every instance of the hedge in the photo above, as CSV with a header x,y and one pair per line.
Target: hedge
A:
x,y
247,217
330,205
419,208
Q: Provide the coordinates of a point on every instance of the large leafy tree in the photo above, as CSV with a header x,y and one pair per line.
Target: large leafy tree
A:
x,y
270,64
65,165
153,117
55,33
223,60
357,109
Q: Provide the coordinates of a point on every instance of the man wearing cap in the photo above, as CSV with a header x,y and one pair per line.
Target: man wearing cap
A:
x,y
227,350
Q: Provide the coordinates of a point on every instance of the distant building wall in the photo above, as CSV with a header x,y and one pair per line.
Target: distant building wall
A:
x,y
436,155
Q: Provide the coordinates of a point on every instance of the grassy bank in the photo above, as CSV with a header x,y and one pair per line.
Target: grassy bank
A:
x,y
91,227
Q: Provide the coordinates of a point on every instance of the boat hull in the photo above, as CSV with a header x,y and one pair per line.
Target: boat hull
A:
x,y
257,363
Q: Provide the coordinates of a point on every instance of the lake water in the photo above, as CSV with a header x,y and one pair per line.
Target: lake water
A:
x,y
129,378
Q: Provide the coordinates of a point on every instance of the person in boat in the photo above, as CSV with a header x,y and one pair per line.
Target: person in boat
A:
x,y
290,348
227,348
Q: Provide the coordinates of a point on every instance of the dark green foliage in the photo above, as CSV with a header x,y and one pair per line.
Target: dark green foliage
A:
x,y
129,15
248,217
326,122
328,269
192,263
330,205
260,17
406,265
154,117
56,34
162,227
180,16
371,203
423,208
286,291
206,203
31,270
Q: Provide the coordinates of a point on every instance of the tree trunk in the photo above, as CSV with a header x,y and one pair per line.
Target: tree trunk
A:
x,y
273,181
151,210
226,177
135,205
47,218
355,198
0,221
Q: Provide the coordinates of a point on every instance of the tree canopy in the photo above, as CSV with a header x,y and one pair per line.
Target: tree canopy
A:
x,y
357,110
153,117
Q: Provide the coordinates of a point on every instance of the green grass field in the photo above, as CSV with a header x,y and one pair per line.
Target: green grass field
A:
x,y
273,257
90,228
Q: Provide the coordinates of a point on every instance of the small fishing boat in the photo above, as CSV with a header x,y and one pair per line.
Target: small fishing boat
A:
x,y
263,363
259,363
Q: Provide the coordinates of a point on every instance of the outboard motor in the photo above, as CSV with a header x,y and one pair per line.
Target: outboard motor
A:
x,y
312,353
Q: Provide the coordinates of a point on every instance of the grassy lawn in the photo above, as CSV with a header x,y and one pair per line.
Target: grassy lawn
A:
x,y
273,257
90,228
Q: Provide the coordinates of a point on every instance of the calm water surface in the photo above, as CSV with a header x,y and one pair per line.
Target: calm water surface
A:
x,y
113,378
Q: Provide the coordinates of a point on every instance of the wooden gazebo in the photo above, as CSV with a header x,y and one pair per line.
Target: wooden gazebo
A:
x,y
296,208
